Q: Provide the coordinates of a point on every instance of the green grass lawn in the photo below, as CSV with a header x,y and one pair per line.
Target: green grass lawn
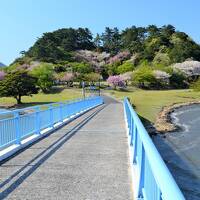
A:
x,y
148,103
57,94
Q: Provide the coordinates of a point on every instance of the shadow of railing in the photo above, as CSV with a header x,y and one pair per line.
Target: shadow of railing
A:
x,y
43,156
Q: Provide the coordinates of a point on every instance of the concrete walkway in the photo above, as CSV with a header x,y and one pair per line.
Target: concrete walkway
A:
x,y
84,160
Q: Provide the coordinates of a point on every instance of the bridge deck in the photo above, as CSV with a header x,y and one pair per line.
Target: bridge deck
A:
x,y
86,159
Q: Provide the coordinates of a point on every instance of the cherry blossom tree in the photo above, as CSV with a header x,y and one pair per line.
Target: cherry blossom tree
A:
x,y
120,57
116,81
161,75
189,68
2,75
66,77
126,77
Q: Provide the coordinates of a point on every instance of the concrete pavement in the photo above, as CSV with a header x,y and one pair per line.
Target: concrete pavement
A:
x,y
86,159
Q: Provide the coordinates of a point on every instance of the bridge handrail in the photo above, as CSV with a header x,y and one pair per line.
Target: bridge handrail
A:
x,y
19,124
155,179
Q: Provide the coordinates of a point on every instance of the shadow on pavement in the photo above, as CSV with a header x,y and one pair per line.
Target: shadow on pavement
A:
x,y
43,156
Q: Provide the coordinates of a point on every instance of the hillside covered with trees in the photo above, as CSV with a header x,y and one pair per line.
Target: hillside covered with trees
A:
x,y
148,43
147,57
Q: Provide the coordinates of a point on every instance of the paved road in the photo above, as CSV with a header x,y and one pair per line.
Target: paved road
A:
x,y
84,160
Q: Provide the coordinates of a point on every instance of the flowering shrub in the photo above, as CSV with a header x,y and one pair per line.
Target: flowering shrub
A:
x,y
116,81
126,77
120,57
96,59
189,68
161,75
2,75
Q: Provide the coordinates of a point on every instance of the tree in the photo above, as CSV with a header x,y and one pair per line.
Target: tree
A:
x,y
116,81
125,67
57,46
66,77
17,84
178,80
111,39
133,39
161,58
189,68
126,77
160,45
143,77
98,41
2,75
44,74
82,68
92,77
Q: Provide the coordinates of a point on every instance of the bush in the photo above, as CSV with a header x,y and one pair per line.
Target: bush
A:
x,y
82,68
162,58
125,67
178,80
143,77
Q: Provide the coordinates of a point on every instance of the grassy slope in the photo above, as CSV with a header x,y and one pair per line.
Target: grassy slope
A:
x,y
149,103
58,94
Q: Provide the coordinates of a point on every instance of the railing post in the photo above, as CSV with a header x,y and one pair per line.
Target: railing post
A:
x,y
129,122
51,115
61,111
17,128
135,144
131,129
141,173
37,121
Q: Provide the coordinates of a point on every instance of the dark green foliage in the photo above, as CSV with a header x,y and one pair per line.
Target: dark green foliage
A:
x,y
143,77
82,68
17,84
111,40
44,75
147,42
58,45
59,68
178,80
133,39
196,85
125,67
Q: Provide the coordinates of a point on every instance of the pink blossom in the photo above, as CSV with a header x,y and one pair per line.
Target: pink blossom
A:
x,y
119,57
116,81
2,75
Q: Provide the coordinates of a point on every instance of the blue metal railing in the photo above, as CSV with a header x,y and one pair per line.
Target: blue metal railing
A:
x,y
154,180
22,123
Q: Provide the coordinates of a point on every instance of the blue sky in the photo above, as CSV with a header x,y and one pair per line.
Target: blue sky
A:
x,y
23,21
